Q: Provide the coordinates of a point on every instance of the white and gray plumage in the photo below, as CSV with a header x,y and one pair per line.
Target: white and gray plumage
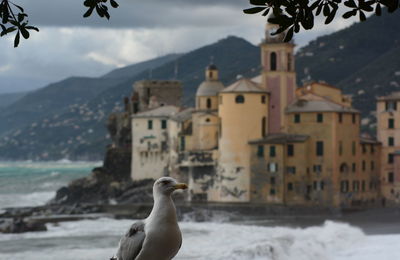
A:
x,y
157,237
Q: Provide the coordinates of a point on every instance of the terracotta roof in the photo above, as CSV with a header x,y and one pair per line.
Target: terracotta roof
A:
x,y
244,86
280,139
164,111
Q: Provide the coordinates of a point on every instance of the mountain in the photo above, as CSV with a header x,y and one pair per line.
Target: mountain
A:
x,y
77,131
362,60
9,98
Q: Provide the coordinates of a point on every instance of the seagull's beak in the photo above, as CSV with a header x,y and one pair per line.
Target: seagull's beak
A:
x,y
180,186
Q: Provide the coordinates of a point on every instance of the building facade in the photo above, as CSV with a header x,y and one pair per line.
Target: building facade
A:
x,y
265,140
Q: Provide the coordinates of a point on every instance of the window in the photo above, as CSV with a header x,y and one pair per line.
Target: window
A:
x,y
263,99
163,124
290,150
273,167
390,141
372,149
273,61
272,192
354,167
297,118
390,158
340,148
340,117
272,151
391,123
320,118
182,144
363,185
322,185
291,169
353,118
391,177
239,99
317,168
289,61
260,151
364,149
150,124
372,165
344,168
320,148
353,148
363,166
264,126
344,186
208,120
208,103
290,186
356,185
391,105
272,180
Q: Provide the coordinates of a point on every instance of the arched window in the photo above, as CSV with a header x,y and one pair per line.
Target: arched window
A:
x,y
273,61
239,99
209,103
264,126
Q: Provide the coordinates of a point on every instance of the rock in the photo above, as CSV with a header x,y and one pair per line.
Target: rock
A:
x,y
19,225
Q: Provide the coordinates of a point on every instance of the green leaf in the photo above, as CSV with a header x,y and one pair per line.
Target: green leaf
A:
x,y
114,4
362,16
88,12
16,40
327,10
349,14
24,33
19,7
331,16
258,2
350,3
289,35
99,11
32,28
378,10
254,10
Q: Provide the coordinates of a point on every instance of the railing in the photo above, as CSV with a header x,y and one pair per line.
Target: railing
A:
x,y
196,158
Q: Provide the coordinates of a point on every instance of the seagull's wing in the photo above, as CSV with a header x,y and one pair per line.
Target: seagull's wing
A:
x,y
131,244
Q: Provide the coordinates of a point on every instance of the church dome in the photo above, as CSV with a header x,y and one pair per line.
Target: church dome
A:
x,y
210,88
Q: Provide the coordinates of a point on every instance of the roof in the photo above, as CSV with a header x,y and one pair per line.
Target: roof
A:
x,y
392,96
314,103
210,88
280,139
257,79
212,67
163,111
244,86
183,116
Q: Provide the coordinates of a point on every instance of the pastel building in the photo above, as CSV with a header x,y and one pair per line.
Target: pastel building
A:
x,y
264,140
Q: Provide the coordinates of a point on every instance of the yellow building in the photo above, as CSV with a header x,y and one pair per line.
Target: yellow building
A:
x,y
388,129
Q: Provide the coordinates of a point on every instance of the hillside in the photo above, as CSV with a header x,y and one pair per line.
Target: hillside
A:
x,y
79,132
9,98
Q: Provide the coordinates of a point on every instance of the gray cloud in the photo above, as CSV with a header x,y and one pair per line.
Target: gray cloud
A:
x,y
136,13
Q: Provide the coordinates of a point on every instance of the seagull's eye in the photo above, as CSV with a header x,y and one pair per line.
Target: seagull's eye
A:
x,y
165,182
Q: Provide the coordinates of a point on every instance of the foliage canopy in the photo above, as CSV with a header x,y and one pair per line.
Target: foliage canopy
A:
x,y
292,15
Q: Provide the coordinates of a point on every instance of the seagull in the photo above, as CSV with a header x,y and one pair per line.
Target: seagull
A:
x,y
157,237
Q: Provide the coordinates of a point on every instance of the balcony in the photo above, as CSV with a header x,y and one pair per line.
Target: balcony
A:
x,y
196,158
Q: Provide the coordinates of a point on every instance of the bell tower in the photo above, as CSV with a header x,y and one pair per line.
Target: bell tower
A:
x,y
278,76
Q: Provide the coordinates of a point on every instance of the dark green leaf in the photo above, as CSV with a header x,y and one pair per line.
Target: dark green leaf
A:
x,y
254,10
88,12
362,16
378,10
331,16
258,2
16,40
348,14
114,4
289,35
32,28
350,3
327,10
19,7
24,33
99,11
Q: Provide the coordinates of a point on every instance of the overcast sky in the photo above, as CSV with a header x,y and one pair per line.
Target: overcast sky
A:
x,y
69,45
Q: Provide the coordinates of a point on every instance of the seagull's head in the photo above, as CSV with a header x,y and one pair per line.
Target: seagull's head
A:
x,y
167,185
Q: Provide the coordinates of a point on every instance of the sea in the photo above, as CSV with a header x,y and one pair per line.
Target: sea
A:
x,y
34,183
